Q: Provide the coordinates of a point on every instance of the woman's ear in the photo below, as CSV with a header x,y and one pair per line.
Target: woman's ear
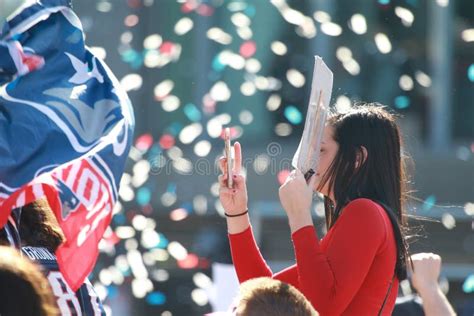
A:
x,y
361,156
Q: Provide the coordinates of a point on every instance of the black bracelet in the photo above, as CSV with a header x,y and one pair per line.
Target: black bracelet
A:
x,y
236,215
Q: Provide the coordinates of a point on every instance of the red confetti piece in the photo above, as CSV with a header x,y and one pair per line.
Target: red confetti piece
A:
x,y
144,142
189,6
134,4
131,20
282,175
248,49
209,104
178,214
147,209
190,262
167,47
167,141
205,10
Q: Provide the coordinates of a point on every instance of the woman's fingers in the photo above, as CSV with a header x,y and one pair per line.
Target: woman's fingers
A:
x,y
222,180
222,164
225,190
239,181
238,158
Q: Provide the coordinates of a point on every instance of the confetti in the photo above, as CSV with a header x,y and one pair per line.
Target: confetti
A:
x,y
279,48
144,142
202,148
183,26
143,196
152,41
163,89
402,102
248,49
469,209
383,43
282,175
423,79
293,115
448,221
295,78
191,261
429,202
358,24
406,83
468,285
470,73
468,35
220,92
343,104
200,297
178,214
405,15
283,129
156,298
331,29
190,133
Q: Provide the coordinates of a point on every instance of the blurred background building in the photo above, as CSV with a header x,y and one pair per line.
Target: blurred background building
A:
x,y
193,66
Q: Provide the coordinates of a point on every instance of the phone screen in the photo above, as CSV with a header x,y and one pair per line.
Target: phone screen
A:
x,y
228,156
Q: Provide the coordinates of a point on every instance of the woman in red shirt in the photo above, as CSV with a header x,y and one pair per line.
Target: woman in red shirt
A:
x,y
356,267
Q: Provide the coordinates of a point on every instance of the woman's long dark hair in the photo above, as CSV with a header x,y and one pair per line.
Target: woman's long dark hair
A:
x,y
369,165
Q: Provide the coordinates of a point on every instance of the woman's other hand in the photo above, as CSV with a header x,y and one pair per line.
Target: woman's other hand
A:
x,y
296,196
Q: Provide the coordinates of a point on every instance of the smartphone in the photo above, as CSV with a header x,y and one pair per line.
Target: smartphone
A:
x,y
228,156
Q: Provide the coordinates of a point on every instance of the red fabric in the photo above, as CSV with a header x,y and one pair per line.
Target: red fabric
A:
x,y
348,272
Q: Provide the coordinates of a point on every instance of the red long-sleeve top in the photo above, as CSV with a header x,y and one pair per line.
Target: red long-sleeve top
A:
x,y
348,272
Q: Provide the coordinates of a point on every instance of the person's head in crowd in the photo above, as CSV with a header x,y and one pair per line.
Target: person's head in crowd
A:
x,y
37,226
361,157
24,291
269,297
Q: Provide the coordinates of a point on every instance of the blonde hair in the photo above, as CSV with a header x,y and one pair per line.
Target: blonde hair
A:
x,y
23,288
266,296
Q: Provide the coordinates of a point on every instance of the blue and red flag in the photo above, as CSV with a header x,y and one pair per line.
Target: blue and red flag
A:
x,y
66,127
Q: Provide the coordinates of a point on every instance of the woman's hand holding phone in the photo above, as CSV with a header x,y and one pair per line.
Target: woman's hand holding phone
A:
x,y
233,199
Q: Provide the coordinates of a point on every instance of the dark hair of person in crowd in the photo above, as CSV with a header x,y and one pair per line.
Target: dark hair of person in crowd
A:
x,y
269,297
23,288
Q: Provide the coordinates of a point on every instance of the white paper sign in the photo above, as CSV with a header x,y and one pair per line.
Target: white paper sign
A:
x,y
306,157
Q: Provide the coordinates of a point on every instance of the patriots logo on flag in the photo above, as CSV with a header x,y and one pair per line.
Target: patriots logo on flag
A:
x,y
66,129
70,202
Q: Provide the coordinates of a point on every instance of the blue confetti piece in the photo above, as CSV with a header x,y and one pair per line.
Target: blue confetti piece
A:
x,y
470,73
112,291
217,63
171,188
468,285
192,112
429,203
187,206
174,128
156,298
293,115
133,58
384,2
155,150
143,196
402,102
163,243
250,11
120,219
